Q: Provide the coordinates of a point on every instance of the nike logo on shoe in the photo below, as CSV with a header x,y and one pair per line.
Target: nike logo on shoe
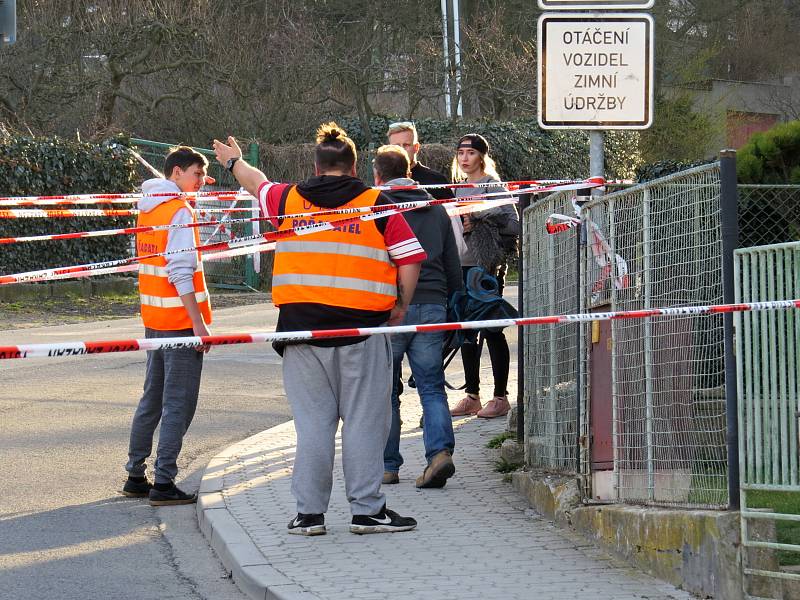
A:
x,y
384,521
296,522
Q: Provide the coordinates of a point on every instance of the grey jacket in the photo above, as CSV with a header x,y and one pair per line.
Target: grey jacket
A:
x,y
512,227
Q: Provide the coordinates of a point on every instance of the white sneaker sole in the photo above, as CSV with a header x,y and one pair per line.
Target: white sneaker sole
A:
x,y
309,531
364,529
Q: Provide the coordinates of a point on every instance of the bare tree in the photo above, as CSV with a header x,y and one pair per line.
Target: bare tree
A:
x,y
272,69
499,65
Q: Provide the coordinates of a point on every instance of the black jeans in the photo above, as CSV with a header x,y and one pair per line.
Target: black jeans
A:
x,y
498,351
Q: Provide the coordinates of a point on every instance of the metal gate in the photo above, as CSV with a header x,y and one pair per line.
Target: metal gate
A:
x,y
767,354
654,429
239,272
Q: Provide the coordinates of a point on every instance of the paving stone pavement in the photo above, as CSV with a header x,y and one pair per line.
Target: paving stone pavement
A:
x,y
476,539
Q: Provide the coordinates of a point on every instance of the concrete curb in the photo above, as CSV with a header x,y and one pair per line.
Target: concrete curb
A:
x,y
249,568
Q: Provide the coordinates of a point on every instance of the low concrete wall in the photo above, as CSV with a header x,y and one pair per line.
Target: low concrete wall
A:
x,y
553,496
54,289
692,549
696,550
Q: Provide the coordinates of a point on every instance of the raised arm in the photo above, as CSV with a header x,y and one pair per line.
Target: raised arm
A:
x,y
249,177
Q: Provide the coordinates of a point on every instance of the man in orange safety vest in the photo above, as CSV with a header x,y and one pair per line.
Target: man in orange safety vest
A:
x,y
357,274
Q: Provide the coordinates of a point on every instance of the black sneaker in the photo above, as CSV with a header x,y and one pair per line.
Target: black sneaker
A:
x,y
170,497
304,524
136,489
385,521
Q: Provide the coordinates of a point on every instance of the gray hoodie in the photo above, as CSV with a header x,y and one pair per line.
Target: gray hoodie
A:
x,y
180,267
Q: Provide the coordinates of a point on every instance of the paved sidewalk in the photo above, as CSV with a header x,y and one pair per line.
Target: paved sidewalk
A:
x,y
476,538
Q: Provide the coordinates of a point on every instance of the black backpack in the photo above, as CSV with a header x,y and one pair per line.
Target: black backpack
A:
x,y
479,301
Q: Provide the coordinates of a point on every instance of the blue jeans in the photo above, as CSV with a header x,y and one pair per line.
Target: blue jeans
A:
x,y
424,352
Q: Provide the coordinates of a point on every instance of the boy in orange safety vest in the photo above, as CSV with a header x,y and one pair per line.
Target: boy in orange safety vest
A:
x,y
174,303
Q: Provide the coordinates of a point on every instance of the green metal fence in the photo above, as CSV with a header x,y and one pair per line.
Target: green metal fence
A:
x,y
240,272
767,354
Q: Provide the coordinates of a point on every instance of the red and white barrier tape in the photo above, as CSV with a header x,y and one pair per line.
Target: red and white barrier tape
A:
x,y
103,268
230,195
108,346
142,229
211,256
66,214
531,184
87,269
122,231
132,230
607,260
558,223
132,212
123,198
99,212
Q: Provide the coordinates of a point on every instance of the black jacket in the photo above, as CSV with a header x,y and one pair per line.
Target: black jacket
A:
x,y
440,274
427,176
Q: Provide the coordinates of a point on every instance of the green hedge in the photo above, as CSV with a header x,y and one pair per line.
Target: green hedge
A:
x,y
663,168
521,148
772,156
53,166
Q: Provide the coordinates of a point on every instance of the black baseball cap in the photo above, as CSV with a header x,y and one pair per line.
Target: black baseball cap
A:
x,y
475,141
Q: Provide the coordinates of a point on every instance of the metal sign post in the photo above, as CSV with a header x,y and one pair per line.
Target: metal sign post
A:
x,y
8,22
596,5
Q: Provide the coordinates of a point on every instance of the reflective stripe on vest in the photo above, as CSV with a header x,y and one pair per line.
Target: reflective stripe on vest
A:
x,y
161,305
340,283
333,248
347,267
170,301
159,271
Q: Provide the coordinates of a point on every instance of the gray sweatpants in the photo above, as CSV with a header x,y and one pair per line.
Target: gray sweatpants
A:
x,y
171,387
352,383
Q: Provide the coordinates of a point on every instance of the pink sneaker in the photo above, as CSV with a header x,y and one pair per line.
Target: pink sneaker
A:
x,y
496,407
468,405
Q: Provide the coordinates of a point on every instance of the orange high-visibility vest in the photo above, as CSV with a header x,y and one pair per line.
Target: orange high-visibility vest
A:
x,y
348,266
162,308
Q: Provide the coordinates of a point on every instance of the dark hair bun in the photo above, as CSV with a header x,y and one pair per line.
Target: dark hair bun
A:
x,y
330,132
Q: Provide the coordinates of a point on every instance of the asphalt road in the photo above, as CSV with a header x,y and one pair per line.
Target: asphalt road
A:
x,y
65,531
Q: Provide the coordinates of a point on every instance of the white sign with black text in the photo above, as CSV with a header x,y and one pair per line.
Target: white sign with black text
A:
x,y
596,5
595,71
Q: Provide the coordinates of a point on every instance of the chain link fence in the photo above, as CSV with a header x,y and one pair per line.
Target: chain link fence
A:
x,y
666,392
667,374
237,272
768,214
551,412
